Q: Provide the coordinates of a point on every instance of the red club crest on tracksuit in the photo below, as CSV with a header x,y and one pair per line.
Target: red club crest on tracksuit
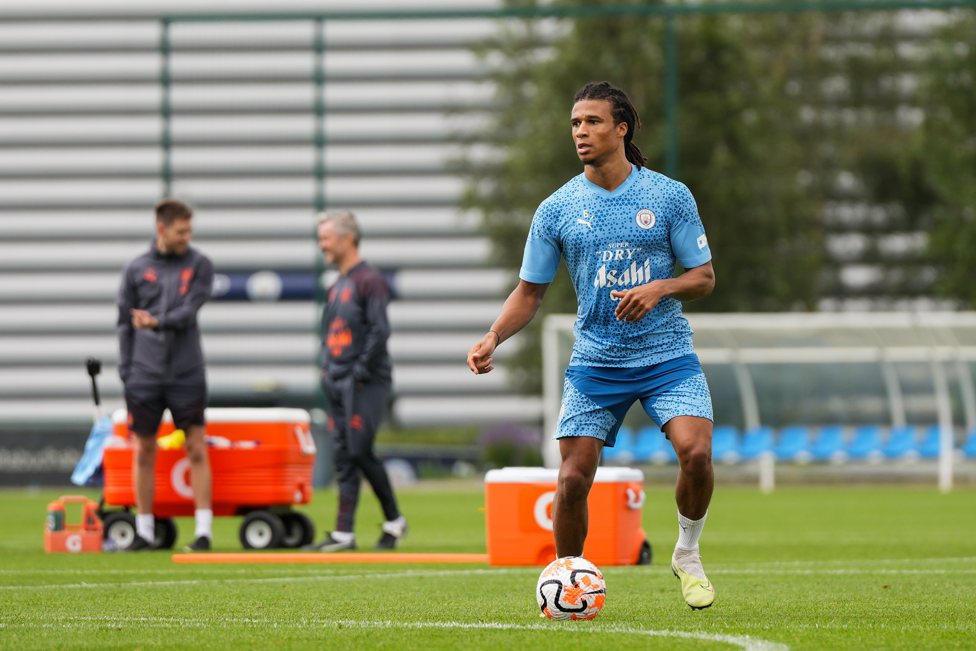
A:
x,y
339,337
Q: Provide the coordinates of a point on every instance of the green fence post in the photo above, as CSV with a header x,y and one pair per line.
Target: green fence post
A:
x,y
165,109
670,97
319,107
318,46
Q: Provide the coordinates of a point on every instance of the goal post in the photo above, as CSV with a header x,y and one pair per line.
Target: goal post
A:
x,y
815,369
557,349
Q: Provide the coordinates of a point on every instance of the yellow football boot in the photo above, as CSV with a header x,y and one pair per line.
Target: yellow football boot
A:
x,y
695,586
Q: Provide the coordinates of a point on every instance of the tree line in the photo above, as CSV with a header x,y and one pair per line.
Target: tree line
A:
x,y
784,119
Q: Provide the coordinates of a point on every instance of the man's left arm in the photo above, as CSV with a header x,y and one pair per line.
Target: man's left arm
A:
x,y
377,330
185,314
694,283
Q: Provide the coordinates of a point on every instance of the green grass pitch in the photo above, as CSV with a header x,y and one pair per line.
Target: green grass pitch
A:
x,y
803,568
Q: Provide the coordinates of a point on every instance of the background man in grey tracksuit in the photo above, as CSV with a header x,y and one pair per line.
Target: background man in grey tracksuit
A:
x,y
161,361
356,376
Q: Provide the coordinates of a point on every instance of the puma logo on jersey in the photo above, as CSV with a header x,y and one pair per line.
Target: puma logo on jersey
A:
x,y
586,219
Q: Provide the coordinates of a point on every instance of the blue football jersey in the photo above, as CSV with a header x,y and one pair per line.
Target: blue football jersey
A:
x,y
615,241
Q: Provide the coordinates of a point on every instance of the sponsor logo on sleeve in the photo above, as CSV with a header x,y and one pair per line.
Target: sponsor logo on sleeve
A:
x,y
702,241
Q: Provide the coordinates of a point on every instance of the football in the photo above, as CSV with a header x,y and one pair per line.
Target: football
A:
x,y
571,588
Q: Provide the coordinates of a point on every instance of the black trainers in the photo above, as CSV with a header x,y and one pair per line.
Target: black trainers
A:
x,y
330,544
390,539
139,544
201,544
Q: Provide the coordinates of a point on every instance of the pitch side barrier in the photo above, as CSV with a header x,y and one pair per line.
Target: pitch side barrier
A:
x,y
921,360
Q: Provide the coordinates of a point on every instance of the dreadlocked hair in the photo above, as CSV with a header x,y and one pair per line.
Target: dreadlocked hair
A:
x,y
622,110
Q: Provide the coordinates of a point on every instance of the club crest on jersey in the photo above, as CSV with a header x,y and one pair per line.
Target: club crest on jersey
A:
x,y
646,219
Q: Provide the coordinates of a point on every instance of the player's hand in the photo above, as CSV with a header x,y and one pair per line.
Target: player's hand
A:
x,y
143,319
635,303
479,357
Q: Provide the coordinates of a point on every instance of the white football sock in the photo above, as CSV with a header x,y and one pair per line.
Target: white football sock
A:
x,y
204,522
689,531
146,526
343,536
395,527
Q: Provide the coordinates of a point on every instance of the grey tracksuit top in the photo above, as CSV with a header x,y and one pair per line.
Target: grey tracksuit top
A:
x,y
173,289
355,327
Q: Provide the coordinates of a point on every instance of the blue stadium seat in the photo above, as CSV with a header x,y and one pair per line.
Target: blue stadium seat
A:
x,y
929,449
756,441
969,447
622,452
866,444
794,444
902,443
725,444
829,445
653,447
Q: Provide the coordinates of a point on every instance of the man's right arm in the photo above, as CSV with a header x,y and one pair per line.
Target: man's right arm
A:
x,y
126,302
518,310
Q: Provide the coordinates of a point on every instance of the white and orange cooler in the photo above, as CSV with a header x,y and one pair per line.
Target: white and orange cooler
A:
x,y
259,458
518,511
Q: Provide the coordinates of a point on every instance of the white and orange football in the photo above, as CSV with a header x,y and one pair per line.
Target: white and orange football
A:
x,y
571,588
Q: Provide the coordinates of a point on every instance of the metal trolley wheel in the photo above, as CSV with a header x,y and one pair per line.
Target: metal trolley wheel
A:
x,y
646,554
262,530
120,528
299,529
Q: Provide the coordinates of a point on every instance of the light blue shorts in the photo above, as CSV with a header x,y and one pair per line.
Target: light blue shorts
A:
x,y
596,399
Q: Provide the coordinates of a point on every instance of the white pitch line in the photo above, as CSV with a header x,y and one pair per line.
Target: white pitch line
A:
x,y
309,577
851,571
610,569
177,570
106,621
744,567
717,570
745,642
859,561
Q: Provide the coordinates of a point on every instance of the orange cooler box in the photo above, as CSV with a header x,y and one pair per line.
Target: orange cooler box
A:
x,y
518,506
259,458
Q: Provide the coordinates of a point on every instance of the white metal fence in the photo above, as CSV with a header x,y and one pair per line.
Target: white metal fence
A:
x,y
888,369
